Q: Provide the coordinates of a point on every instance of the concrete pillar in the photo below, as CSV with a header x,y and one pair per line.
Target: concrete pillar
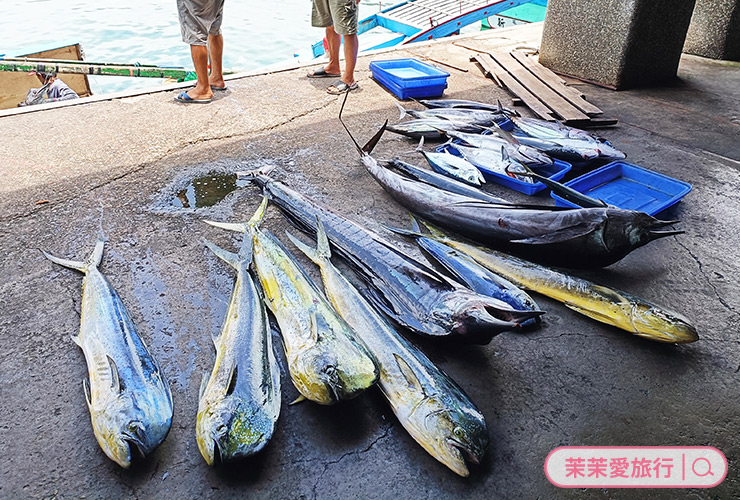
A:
x,y
618,43
715,30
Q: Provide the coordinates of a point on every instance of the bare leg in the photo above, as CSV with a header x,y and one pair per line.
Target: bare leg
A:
x,y
334,40
350,60
216,50
351,45
202,89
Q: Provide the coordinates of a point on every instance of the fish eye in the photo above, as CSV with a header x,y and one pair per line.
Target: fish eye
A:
x,y
458,432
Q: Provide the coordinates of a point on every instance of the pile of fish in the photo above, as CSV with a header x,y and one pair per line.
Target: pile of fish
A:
x,y
492,138
344,340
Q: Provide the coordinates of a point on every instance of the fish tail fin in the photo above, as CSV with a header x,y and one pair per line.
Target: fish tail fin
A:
x,y
259,176
414,232
368,148
322,252
402,112
230,258
243,227
239,227
93,261
438,233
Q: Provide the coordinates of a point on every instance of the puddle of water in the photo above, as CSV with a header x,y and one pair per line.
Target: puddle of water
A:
x,y
208,190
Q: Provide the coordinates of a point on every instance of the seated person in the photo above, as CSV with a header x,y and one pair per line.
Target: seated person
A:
x,y
55,88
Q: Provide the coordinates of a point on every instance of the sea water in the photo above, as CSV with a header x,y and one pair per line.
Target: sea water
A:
x,y
256,34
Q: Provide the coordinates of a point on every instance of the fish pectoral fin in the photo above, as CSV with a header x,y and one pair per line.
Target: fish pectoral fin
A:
x,y
300,399
232,379
86,389
598,316
408,374
565,234
76,340
203,385
115,380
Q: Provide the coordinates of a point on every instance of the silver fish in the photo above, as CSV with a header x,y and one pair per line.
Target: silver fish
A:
x,y
455,167
128,397
240,402
496,161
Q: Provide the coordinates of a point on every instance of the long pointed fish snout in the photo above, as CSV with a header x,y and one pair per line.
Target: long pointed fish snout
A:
x,y
480,324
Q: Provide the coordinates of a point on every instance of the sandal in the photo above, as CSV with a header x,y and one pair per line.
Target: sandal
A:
x,y
339,87
185,98
321,73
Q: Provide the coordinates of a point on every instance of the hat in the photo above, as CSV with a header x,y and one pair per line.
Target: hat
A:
x,y
45,74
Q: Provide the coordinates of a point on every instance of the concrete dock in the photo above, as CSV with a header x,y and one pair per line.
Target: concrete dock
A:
x,y
116,165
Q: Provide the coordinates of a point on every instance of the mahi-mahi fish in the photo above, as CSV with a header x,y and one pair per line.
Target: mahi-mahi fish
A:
x,y
603,304
128,397
429,405
326,361
240,402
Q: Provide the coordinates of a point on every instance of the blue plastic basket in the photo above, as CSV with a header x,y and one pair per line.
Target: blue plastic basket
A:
x,y
556,171
628,186
408,78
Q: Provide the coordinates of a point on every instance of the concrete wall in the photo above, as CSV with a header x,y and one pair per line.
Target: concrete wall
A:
x,y
715,30
617,43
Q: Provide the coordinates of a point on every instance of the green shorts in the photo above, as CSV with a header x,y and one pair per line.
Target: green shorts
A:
x,y
342,14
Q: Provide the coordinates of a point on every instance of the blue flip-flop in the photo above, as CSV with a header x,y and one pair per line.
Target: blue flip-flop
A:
x,y
184,97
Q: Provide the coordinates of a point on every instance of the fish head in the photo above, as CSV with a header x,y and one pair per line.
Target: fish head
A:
x,y
316,374
454,435
606,150
120,428
336,368
626,230
478,318
662,325
229,429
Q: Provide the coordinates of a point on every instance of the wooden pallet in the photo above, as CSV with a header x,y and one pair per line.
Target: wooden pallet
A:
x,y
544,92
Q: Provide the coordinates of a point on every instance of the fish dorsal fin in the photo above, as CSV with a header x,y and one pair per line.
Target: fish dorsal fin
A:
x,y
115,380
504,153
203,385
560,235
86,389
233,374
408,374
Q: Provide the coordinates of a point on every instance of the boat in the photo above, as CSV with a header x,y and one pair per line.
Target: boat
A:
x,y
15,85
420,20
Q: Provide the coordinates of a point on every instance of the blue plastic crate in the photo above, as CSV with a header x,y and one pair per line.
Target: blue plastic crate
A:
x,y
556,171
408,78
628,186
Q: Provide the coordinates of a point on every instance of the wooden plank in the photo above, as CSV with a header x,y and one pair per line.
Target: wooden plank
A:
x,y
553,100
532,101
557,84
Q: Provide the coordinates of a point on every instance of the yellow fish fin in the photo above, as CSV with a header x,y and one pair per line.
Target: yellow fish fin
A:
x,y
299,399
598,316
86,389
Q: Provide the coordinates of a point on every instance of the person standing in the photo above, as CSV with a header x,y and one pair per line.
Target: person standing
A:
x,y
339,17
200,24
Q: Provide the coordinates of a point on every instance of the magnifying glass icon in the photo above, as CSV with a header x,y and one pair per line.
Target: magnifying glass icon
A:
x,y
709,467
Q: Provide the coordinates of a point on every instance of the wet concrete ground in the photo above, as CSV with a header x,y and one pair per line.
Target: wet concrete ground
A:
x,y
114,166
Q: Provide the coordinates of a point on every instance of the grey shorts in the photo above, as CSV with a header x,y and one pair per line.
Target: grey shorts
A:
x,y
342,14
199,18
